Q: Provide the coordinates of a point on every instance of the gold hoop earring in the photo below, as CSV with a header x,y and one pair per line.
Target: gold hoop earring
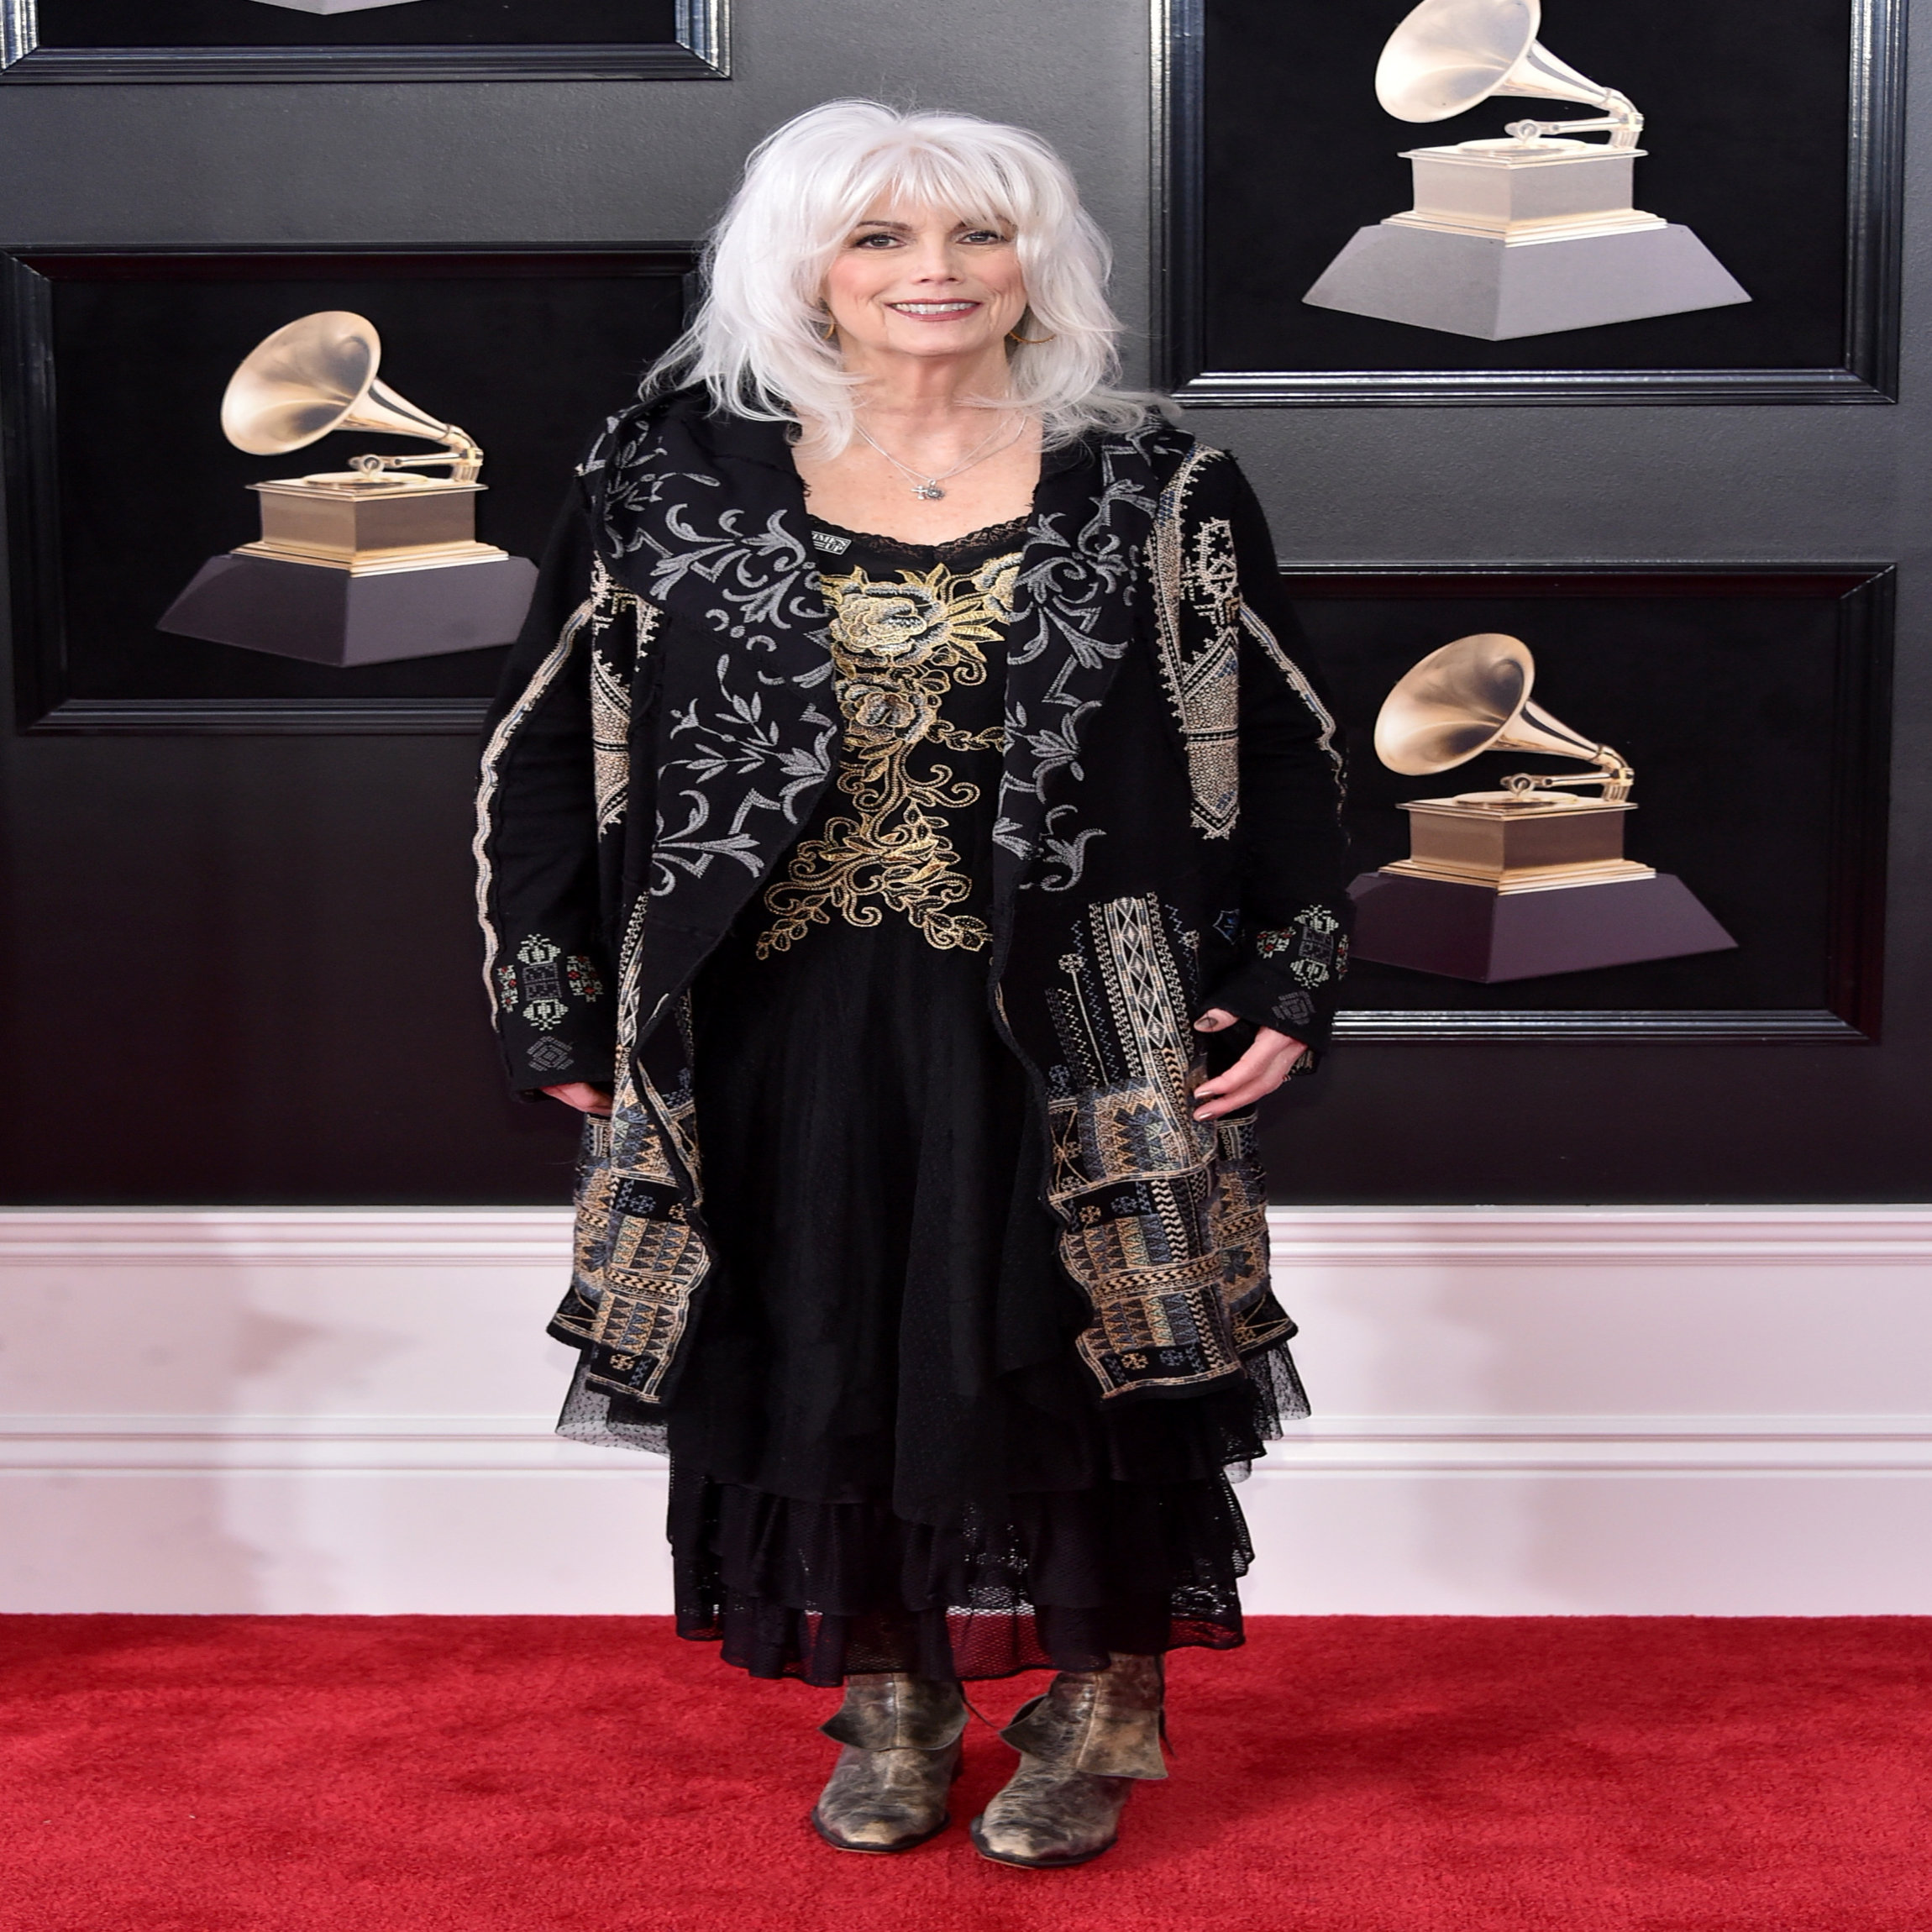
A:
x,y
827,330
1014,335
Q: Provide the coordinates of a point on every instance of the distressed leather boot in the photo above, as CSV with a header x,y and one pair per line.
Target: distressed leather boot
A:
x,y
901,1738
1081,1747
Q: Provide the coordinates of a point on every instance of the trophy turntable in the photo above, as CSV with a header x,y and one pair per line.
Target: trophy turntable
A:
x,y
1523,881
357,566
1526,235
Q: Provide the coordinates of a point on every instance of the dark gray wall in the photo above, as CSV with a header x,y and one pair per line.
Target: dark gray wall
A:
x,y
621,161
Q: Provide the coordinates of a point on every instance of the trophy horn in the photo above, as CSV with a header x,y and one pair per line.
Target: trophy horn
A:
x,y
1473,696
317,374
1448,55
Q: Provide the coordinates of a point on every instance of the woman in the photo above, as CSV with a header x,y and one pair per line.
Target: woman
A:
x,y
902,777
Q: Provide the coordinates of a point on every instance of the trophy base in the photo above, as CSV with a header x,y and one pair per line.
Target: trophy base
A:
x,y
422,557
1475,932
328,617
367,524
1514,843
1496,291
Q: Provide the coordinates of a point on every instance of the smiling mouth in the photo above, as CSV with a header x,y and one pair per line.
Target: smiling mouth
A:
x,y
941,309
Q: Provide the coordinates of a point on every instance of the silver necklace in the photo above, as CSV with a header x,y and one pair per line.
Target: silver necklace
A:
x,y
927,487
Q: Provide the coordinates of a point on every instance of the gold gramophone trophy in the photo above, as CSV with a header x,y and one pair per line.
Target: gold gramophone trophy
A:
x,y
357,566
1523,881
1526,235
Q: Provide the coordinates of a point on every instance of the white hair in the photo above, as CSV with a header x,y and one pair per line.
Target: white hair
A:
x,y
757,341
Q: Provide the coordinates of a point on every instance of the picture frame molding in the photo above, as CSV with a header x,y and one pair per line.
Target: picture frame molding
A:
x,y
29,466
1857,810
701,51
1875,203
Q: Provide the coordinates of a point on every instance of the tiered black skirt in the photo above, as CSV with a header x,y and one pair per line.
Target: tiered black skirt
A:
x,y
885,1453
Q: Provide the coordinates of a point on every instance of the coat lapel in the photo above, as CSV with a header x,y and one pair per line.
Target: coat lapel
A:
x,y
705,516
1076,609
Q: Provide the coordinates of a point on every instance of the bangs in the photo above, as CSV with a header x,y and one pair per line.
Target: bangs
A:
x,y
923,175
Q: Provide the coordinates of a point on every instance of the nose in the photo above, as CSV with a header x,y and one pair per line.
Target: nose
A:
x,y
933,261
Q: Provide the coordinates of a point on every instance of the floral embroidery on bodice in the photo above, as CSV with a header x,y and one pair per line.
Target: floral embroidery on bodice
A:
x,y
911,647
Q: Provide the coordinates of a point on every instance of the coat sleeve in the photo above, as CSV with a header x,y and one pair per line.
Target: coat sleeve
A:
x,y
1292,851
545,966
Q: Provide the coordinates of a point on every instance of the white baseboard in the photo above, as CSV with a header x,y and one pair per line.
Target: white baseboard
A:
x,y
1718,1411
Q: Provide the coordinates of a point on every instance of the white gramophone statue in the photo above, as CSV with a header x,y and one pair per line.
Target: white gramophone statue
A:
x,y
1522,882
1525,235
356,566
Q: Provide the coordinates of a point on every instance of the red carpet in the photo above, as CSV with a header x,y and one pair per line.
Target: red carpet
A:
x,y
408,1774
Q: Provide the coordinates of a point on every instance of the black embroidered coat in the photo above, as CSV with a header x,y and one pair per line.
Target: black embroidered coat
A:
x,y
1167,839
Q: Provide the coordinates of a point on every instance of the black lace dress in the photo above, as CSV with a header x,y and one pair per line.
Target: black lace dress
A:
x,y
886,1455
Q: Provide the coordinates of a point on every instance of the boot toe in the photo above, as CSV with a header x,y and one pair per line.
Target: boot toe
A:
x,y
1045,1821
894,1830
886,1800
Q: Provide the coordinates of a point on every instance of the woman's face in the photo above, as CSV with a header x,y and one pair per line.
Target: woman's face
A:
x,y
916,281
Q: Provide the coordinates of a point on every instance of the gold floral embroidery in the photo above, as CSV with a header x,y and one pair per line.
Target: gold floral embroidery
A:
x,y
897,649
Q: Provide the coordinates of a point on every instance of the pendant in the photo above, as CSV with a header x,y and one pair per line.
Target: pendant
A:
x,y
930,491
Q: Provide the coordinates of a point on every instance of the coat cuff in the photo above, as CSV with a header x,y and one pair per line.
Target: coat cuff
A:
x,y
554,1059
553,1015
1291,977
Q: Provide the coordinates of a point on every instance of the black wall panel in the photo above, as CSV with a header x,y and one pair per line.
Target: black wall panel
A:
x,y
245,969
134,350
428,23
1775,220
241,969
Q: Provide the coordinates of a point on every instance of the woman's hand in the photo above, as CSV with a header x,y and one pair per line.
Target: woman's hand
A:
x,y
583,1097
1260,1070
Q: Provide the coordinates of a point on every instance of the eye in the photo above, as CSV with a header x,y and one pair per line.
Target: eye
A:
x,y
985,235
877,238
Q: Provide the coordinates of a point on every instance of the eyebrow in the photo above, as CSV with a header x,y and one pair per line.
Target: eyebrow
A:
x,y
906,228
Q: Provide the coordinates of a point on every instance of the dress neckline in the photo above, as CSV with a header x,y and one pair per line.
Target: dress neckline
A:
x,y
989,537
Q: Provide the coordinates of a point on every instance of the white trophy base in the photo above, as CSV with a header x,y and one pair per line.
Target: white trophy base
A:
x,y
1484,286
334,5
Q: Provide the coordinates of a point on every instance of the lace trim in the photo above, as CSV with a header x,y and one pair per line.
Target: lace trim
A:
x,y
953,551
